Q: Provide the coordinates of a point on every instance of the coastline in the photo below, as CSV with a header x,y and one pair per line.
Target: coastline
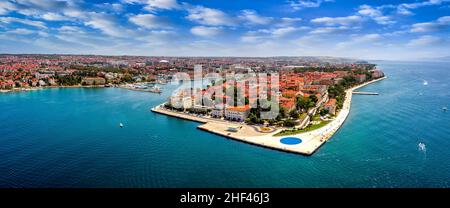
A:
x,y
311,141
50,87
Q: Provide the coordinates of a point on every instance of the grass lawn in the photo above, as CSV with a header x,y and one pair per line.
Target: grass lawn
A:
x,y
298,131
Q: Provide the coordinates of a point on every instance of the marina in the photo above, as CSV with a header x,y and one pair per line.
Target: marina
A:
x,y
143,87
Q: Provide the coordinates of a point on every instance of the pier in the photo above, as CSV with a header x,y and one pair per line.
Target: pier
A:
x,y
365,93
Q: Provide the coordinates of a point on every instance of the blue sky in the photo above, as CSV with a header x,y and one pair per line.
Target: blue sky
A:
x,y
361,29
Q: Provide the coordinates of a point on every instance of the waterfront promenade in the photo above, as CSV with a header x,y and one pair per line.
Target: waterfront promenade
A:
x,y
311,141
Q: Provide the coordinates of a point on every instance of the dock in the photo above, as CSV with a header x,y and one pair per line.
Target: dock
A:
x,y
365,93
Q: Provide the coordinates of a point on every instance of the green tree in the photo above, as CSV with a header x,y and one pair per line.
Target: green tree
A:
x,y
302,103
313,98
323,112
289,123
294,114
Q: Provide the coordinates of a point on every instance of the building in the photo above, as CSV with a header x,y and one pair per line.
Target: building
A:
x,y
331,106
287,103
218,111
93,81
181,102
377,74
360,77
239,113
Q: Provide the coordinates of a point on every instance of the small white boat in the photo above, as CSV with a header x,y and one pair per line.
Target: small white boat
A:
x,y
425,82
422,147
444,109
121,125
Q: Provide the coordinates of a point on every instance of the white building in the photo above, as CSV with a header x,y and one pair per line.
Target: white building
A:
x,y
218,111
180,101
239,113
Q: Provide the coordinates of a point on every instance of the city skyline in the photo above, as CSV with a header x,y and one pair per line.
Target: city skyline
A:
x,y
357,29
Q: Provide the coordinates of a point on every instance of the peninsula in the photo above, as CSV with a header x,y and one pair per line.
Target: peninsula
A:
x,y
313,105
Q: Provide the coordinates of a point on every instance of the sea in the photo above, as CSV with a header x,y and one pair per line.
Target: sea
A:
x,y
71,138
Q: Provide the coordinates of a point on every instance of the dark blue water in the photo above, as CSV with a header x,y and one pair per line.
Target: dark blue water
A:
x,y
71,138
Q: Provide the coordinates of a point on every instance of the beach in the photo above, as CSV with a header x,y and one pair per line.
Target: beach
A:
x,y
310,141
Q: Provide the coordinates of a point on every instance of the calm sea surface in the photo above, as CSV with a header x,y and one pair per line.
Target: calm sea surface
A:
x,y
71,138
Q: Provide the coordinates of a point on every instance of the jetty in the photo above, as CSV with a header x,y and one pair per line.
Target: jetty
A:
x,y
310,141
365,93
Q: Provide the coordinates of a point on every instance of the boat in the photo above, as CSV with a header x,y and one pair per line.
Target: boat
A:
x,y
425,82
422,146
444,109
155,89
121,125
140,87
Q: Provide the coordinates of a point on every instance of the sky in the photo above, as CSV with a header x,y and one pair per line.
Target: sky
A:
x,y
391,30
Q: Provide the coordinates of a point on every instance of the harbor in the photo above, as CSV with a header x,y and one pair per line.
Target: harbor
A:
x,y
143,87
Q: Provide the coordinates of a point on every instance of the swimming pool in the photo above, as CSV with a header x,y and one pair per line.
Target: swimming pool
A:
x,y
290,140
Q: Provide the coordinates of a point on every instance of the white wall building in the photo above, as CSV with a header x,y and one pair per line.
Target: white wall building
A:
x,y
239,113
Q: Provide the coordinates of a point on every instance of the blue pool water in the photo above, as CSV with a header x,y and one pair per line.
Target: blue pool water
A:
x,y
291,140
72,138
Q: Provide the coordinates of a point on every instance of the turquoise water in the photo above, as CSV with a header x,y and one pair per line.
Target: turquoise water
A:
x,y
72,138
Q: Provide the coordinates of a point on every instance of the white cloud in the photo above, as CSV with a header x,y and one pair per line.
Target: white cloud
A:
x,y
113,7
301,4
206,31
333,21
21,31
107,24
287,21
6,7
373,38
426,40
327,30
270,34
50,16
375,14
37,7
33,23
70,29
150,21
208,16
252,38
152,5
279,32
405,8
252,17
442,23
